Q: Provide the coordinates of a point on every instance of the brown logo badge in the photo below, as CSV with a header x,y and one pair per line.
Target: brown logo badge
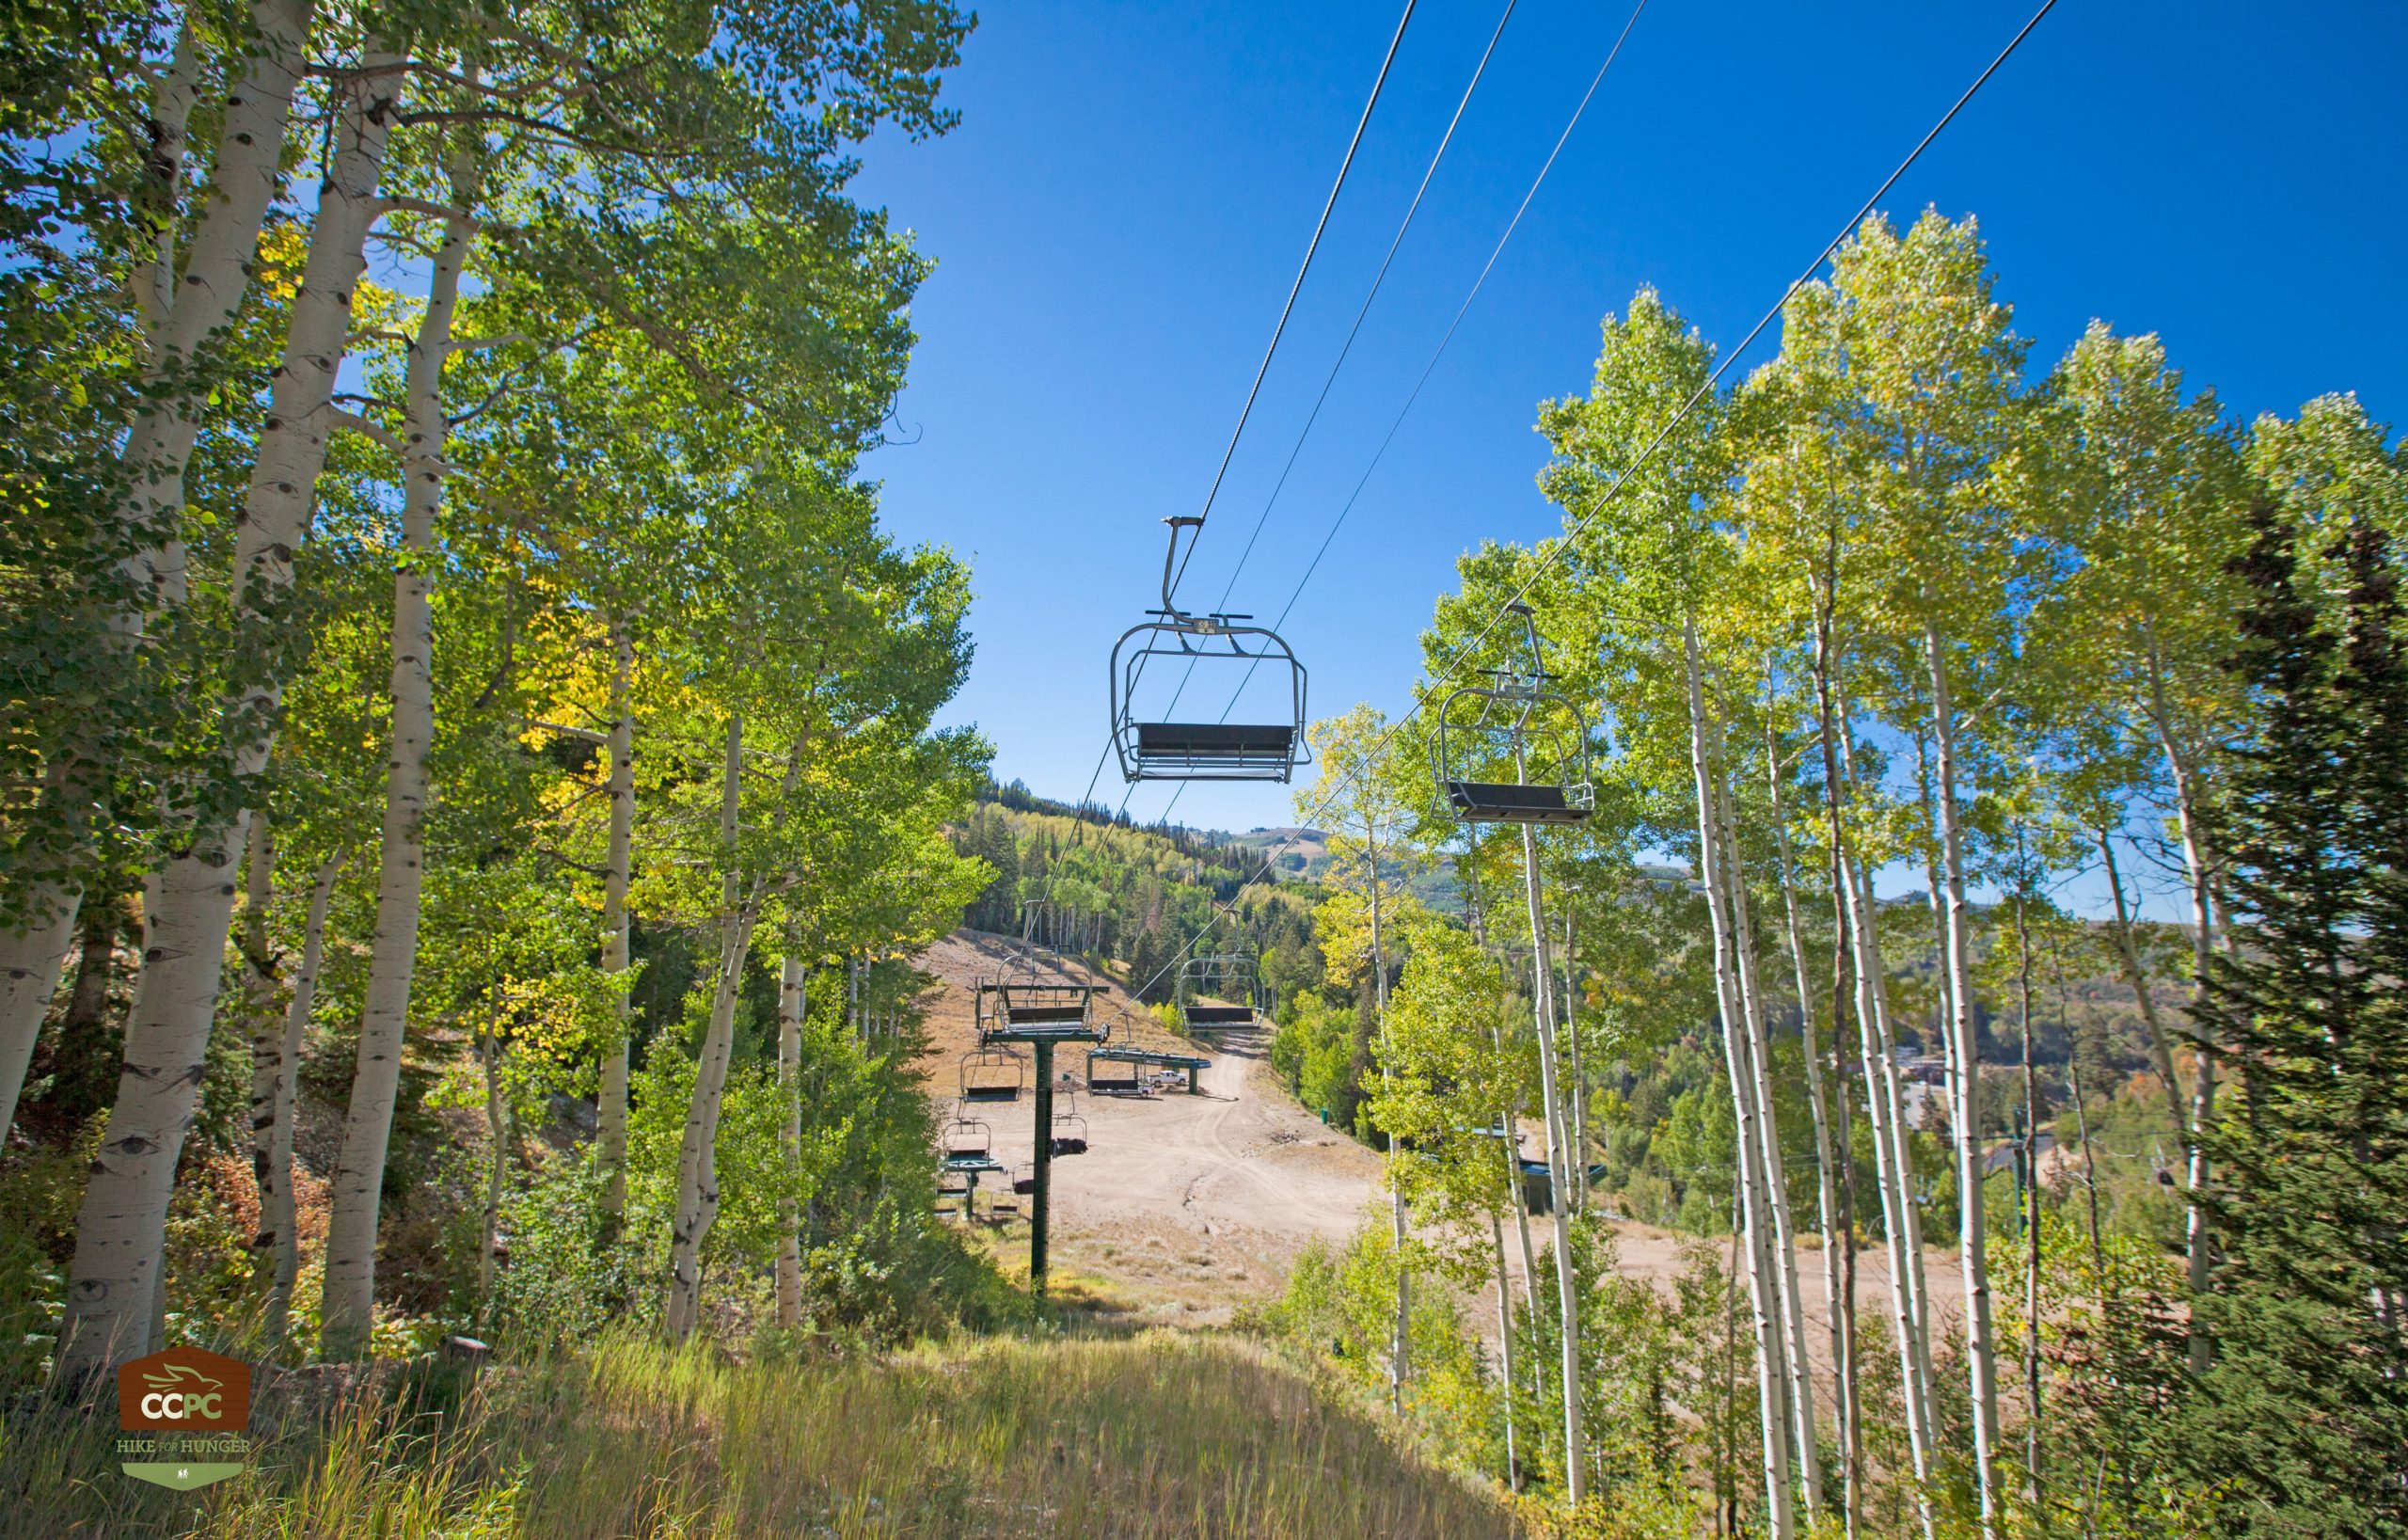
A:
x,y
184,1390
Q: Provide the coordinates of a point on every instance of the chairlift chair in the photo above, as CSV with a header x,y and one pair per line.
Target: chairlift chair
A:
x,y
992,1074
1069,1135
1513,714
967,1140
1152,750
1227,975
1009,1011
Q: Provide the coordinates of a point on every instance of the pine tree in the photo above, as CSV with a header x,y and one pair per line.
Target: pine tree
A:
x,y
2304,1414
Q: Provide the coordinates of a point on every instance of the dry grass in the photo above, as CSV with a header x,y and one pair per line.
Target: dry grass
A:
x,y
1155,1435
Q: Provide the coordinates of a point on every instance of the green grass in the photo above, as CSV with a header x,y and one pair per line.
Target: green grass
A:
x,y
1155,1435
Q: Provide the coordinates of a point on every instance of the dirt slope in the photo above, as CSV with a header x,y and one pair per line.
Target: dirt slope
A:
x,y
1192,1205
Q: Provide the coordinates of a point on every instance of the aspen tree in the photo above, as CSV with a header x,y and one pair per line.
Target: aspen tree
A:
x,y
279,1238
790,1022
120,1228
182,316
2157,478
1826,1172
359,1174
610,1107
1357,794
1755,1198
1948,473
697,1178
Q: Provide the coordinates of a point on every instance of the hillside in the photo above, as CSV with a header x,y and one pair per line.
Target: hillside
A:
x,y
1156,1437
1089,887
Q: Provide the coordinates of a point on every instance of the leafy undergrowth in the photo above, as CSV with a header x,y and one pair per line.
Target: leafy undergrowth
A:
x,y
1156,1436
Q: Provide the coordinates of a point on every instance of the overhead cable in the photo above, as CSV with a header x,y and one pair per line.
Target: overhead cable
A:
x,y
1373,292
1548,558
1284,310
1437,353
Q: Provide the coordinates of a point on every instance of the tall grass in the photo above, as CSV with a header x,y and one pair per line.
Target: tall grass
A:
x,y
1158,1435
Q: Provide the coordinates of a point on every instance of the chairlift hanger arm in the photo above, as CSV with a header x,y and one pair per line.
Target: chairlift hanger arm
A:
x,y
1170,559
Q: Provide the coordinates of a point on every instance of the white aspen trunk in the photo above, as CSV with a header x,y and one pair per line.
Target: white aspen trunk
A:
x,y
1579,1108
1401,1329
204,300
1884,1108
2081,1120
497,1171
1826,1195
1762,1291
1508,1122
1936,899
266,1020
188,908
31,955
1567,1288
697,1163
2031,1216
610,1112
1798,1375
1505,1324
279,1238
1893,1175
1844,970
1867,908
169,125
698,1172
2198,1243
30,961
1567,1195
1981,1354
1849,1411
1522,1226
791,1009
384,1017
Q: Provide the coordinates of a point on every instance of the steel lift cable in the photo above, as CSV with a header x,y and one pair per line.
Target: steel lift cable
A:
x,y
1378,84
1365,309
1294,289
1428,369
1330,379
1554,548
1461,310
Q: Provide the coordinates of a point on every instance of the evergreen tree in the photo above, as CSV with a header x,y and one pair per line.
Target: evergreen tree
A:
x,y
2305,1411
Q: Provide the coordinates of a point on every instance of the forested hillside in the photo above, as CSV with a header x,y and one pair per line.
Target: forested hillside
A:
x,y
1089,885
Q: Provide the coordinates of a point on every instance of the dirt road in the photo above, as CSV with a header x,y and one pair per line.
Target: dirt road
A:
x,y
1187,1207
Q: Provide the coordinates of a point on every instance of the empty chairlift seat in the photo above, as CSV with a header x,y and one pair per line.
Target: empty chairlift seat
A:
x,y
1220,1015
1038,1012
1205,654
1168,748
1069,1135
1218,990
1129,1083
1491,802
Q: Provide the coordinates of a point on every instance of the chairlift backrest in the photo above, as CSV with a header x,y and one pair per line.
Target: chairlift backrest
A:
x,y
1150,749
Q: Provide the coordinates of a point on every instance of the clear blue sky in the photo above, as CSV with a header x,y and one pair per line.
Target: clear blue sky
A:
x,y
1118,216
